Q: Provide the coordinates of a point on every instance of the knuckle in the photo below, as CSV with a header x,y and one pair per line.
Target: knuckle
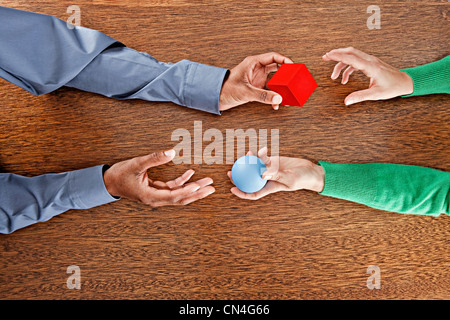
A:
x,y
151,158
149,202
263,96
248,59
253,197
375,72
178,181
156,156
179,199
143,198
171,184
175,200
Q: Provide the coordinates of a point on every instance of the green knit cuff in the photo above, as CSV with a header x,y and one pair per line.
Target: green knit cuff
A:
x,y
430,78
353,182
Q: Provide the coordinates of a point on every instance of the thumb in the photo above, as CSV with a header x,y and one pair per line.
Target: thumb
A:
x,y
155,159
362,95
264,96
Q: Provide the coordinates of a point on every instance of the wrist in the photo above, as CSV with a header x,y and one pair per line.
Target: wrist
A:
x,y
407,84
224,103
319,179
108,179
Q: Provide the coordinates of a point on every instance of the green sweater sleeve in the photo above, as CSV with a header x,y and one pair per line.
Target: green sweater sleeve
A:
x,y
430,78
390,187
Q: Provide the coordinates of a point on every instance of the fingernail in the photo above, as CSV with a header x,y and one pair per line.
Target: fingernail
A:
x,y
349,101
276,107
267,177
169,153
277,99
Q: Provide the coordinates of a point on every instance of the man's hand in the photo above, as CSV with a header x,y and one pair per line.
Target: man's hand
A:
x,y
246,81
385,81
285,174
129,179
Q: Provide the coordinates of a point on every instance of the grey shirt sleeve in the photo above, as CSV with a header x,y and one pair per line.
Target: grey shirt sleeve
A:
x,y
124,73
40,54
28,200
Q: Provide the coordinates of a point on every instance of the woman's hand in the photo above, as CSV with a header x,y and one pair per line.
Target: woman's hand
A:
x,y
285,174
385,81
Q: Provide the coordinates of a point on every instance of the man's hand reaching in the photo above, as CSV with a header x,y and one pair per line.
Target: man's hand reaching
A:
x,y
246,81
129,179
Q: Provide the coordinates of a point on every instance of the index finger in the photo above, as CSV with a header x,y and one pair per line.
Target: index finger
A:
x,y
272,163
272,57
262,154
181,180
354,58
351,50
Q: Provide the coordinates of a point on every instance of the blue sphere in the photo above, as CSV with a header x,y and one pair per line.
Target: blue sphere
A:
x,y
247,174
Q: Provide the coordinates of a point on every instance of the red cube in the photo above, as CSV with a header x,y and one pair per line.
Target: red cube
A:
x,y
294,83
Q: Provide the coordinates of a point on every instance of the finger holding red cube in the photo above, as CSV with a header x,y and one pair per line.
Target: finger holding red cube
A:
x,y
294,83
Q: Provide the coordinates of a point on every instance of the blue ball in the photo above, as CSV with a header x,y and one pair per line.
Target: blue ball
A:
x,y
247,174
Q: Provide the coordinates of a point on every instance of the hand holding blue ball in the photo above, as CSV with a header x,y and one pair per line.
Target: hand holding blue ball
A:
x,y
247,174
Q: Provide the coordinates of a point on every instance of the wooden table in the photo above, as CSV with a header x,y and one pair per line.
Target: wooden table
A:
x,y
286,246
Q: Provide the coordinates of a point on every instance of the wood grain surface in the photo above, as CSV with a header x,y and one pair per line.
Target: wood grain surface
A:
x,y
286,246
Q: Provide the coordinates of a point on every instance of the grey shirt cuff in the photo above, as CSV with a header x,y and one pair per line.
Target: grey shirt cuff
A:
x,y
87,188
203,87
